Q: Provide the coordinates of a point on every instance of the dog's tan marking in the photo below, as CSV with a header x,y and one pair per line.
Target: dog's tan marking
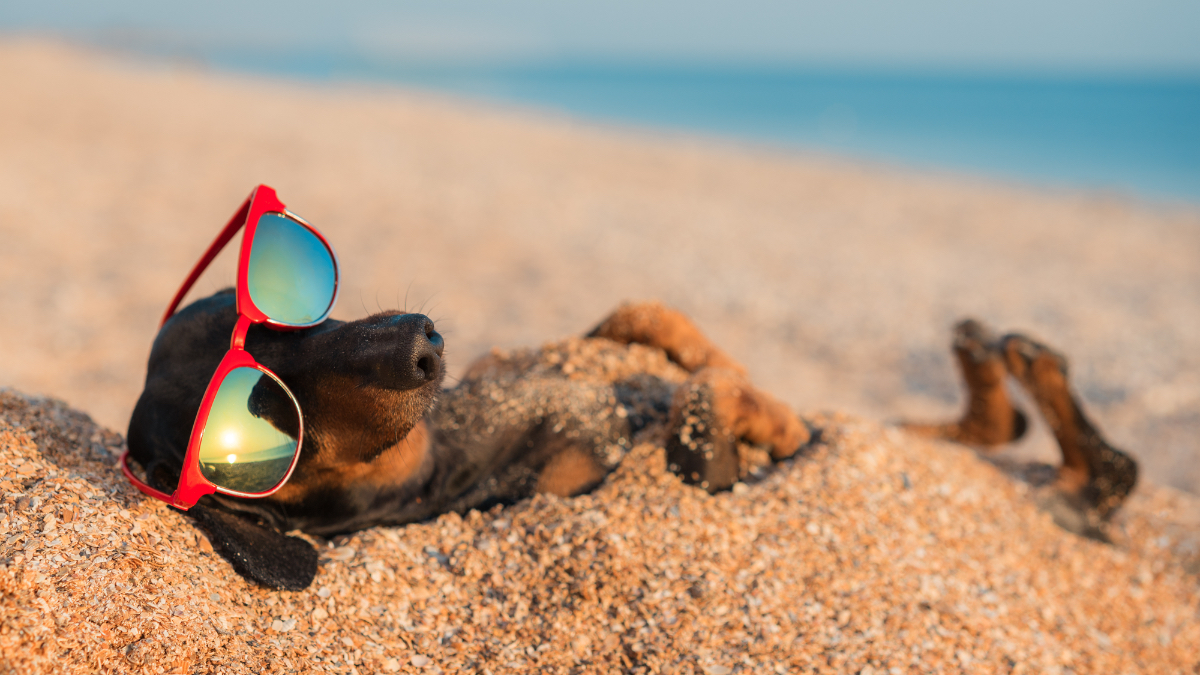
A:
x,y
651,323
394,466
570,472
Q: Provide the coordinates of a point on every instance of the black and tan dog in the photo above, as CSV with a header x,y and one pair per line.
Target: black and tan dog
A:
x,y
385,444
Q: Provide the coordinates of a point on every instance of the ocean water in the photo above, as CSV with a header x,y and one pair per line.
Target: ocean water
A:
x,y
1134,135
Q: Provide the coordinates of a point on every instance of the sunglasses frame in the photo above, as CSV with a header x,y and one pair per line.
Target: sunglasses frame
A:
x,y
192,483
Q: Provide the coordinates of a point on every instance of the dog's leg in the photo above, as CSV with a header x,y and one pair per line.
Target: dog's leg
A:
x,y
1095,477
715,409
651,323
990,418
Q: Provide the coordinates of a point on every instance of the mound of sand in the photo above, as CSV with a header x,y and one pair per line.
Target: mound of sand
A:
x,y
872,553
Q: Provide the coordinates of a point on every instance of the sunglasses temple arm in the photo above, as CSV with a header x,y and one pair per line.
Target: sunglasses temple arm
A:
x,y
235,224
137,482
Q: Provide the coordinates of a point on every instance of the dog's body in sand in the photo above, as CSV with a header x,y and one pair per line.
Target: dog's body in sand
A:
x,y
385,444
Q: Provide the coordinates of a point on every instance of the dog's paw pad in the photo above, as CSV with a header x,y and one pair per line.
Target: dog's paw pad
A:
x,y
722,428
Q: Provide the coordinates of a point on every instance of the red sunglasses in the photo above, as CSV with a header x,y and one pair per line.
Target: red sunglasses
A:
x,y
247,435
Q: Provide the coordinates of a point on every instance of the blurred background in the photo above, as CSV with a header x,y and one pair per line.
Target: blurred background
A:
x,y
825,187
1100,94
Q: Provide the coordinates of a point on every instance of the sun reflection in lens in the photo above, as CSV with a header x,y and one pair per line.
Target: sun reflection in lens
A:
x,y
241,451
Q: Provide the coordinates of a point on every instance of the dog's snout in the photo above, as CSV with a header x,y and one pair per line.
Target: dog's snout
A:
x,y
421,362
429,357
413,352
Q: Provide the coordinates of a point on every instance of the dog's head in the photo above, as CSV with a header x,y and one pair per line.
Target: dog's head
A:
x,y
363,388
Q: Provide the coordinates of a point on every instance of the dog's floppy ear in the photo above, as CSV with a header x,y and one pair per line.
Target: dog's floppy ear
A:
x,y
256,552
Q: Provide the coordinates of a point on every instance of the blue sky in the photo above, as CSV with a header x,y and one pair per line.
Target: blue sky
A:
x,y
1023,35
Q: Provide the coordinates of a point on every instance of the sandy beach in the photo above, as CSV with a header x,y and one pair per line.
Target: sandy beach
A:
x,y
836,283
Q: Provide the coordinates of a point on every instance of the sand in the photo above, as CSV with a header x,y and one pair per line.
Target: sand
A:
x,y
836,283
872,553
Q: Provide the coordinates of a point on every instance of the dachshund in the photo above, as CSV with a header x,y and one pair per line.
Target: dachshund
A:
x,y
386,444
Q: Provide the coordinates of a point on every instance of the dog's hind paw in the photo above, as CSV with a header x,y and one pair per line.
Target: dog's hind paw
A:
x,y
1093,471
990,418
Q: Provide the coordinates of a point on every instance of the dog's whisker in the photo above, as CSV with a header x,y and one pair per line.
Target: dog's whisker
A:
x,y
406,290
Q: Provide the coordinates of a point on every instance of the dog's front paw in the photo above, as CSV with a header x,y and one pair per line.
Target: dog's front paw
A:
x,y
713,414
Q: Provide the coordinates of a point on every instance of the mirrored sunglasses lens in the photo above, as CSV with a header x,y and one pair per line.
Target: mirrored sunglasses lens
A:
x,y
251,434
291,274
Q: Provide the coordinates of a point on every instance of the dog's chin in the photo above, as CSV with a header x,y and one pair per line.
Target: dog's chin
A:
x,y
404,410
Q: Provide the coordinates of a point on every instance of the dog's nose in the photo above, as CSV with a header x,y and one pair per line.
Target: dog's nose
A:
x,y
419,359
